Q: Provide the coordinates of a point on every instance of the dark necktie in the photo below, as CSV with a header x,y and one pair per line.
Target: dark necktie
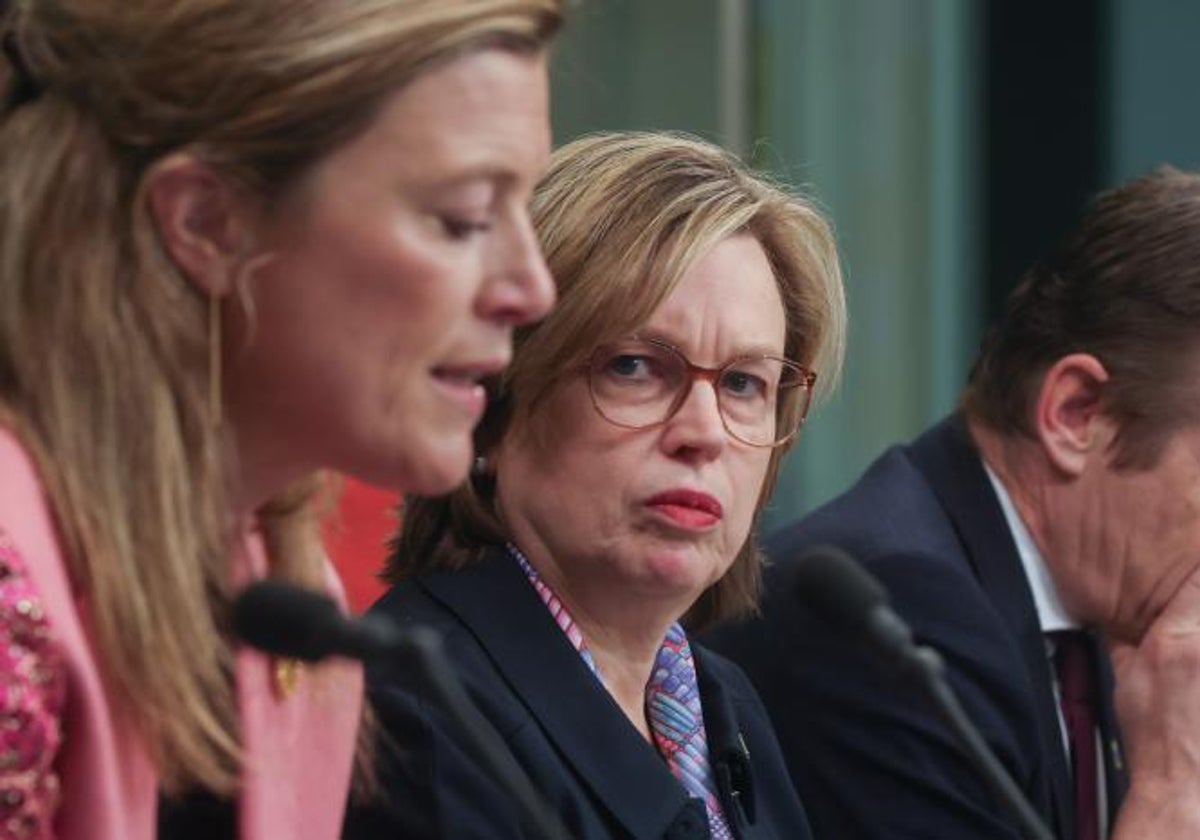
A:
x,y
1077,686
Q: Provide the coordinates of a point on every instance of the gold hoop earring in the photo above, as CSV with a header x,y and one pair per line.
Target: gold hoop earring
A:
x,y
214,360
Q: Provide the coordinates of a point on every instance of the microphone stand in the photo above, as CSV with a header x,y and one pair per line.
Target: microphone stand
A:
x,y
832,586
925,666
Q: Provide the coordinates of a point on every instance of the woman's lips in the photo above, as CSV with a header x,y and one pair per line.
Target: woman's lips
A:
x,y
690,509
462,387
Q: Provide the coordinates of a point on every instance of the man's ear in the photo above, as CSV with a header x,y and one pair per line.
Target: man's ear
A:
x,y
1070,424
202,221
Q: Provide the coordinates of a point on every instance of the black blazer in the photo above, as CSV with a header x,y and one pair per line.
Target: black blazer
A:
x,y
868,756
590,764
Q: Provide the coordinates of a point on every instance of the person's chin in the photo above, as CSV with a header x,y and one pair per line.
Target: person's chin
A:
x,y
678,569
439,472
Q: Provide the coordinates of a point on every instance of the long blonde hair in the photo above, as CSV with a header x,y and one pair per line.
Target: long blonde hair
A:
x,y
103,342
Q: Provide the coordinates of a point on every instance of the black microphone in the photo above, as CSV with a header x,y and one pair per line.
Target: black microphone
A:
x,y
286,620
831,586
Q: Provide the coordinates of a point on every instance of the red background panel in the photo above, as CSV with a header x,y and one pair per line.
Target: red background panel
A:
x,y
367,519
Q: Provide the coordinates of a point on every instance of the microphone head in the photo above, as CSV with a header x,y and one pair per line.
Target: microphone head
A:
x,y
286,620
833,587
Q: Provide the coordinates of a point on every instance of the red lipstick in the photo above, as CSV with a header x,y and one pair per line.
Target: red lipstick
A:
x,y
687,508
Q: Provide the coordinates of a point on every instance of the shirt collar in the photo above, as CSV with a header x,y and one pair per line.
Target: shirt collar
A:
x,y
1052,614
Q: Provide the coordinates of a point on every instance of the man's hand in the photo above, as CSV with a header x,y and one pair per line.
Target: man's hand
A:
x,y
1158,707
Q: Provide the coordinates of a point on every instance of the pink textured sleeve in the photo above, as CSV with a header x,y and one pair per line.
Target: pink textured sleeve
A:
x,y
32,698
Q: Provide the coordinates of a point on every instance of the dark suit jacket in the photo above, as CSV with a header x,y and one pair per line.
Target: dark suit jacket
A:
x,y
561,725
868,755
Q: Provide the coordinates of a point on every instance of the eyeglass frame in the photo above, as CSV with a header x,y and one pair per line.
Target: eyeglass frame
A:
x,y
712,376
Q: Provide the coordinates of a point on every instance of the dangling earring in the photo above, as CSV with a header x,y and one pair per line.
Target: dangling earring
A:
x,y
214,360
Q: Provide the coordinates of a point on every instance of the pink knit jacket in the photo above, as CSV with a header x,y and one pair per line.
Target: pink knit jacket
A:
x,y
71,763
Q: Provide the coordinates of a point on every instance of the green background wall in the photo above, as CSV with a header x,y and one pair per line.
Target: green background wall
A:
x,y
877,109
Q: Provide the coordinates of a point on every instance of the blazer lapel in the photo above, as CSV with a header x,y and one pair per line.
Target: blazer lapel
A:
x,y
948,459
495,601
727,751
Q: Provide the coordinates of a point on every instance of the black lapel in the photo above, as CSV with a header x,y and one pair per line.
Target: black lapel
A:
x,y
197,815
496,603
727,751
947,458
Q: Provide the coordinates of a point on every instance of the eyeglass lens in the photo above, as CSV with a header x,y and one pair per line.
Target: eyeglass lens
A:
x,y
641,383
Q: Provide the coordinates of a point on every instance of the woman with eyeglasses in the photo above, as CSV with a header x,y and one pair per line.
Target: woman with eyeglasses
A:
x,y
622,465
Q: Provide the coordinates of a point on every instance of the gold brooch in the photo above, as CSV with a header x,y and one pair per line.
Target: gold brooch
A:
x,y
285,676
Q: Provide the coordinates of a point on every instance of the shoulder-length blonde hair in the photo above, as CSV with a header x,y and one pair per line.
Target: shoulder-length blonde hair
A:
x,y
621,217
103,343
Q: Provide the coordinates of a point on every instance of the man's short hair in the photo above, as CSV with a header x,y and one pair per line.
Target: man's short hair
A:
x,y
1125,288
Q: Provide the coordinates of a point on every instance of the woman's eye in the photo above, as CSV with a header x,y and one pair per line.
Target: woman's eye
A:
x,y
461,229
742,384
635,367
628,365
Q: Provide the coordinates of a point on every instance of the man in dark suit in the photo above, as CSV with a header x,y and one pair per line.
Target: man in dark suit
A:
x,y
1054,519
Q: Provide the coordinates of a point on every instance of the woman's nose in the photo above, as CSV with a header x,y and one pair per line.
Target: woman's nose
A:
x,y
697,428
522,289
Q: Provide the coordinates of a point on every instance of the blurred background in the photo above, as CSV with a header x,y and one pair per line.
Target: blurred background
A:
x,y
950,141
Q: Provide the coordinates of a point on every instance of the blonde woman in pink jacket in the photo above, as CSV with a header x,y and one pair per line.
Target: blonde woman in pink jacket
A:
x,y
242,242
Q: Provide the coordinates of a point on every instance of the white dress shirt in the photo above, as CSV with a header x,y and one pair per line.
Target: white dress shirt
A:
x,y
1052,616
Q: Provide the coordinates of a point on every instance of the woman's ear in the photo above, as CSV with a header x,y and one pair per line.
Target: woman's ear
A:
x,y
202,220
1070,423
